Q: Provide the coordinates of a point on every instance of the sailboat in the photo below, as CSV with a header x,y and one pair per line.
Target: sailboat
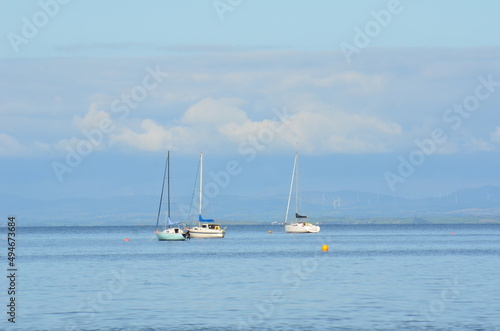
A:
x,y
207,228
297,226
171,231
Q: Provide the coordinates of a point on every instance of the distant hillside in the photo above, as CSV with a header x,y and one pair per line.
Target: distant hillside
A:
x,y
483,201
479,205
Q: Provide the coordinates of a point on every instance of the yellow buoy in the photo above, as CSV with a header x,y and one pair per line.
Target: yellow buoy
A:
x,y
269,231
324,248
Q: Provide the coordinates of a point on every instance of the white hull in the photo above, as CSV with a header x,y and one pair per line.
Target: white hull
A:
x,y
172,234
301,227
199,232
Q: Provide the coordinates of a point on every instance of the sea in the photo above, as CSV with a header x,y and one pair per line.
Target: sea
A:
x,y
372,277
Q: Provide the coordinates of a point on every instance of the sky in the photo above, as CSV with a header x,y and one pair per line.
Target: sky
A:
x,y
390,97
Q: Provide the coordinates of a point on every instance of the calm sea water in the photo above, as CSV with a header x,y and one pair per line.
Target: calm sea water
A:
x,y
398,277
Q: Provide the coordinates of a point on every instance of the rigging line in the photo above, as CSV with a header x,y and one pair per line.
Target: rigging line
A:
x,y
152,237
291,187
161,196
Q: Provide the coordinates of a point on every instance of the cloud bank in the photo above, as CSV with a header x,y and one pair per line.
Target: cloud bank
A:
x,y
215,101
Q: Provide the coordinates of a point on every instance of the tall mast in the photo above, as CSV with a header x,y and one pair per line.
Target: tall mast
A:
x,y
297,182
201,182
162,188
168,186
291,187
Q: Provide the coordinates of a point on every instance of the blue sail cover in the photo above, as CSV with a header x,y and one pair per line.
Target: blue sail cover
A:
x,y
169,222
203,220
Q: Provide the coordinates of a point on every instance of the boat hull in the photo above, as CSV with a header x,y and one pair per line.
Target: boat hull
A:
x,y
197,232
172,235
207,230
302,228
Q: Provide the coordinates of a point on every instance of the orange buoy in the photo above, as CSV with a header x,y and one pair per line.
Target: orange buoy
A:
x,y
324,248
126,239
269,231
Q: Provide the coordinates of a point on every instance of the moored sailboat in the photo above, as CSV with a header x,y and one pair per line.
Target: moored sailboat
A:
x,y
206,228
170,231
297,226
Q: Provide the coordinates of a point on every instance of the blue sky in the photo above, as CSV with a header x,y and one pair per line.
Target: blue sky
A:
x,y
393,97
139,29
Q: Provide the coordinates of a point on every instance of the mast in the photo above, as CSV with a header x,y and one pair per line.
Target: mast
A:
x,y
201,184
162,188
297,183
291,187
168,185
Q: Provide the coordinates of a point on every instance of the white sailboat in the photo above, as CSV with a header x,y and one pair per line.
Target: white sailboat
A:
x,y
297,226
170,232
207,228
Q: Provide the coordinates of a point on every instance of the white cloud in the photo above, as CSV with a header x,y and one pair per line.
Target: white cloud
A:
x,y
495,136
215,101
150,137
473,144
93,130
320,132
93,119
201,127
337,131
214,112
220,125
64,144
11,147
